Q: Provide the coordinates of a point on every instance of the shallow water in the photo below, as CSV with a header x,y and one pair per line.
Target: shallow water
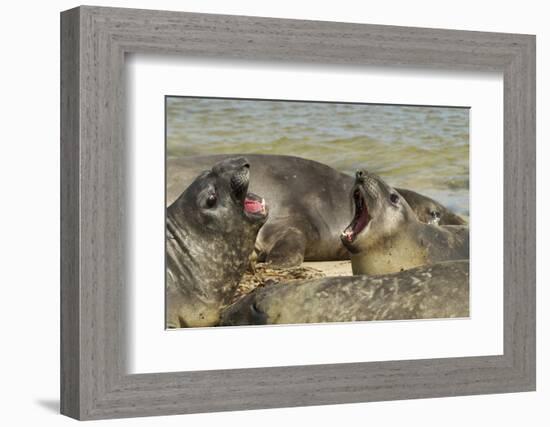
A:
x,y
425,149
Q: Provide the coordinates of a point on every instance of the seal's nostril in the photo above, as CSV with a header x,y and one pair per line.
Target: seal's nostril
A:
x,y
359,174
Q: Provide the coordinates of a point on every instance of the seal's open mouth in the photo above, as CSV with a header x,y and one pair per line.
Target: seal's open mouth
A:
x,y
255,206
360,220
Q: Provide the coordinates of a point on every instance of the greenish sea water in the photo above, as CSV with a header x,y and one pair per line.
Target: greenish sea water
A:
x,y
425,149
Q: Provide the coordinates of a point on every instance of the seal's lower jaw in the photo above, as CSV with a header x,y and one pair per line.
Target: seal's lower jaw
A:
x,y
255,207
359,223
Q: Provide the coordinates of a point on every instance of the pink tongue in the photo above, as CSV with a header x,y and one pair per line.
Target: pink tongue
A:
x,y
252,206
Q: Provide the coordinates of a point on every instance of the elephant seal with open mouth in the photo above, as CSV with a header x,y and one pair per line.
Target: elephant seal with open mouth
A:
x,y
434,291
385,236
211,229
309,205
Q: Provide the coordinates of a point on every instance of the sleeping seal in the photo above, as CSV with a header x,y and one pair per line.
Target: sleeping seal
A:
x,y
385,235
309,205
428,210
434,291
211,229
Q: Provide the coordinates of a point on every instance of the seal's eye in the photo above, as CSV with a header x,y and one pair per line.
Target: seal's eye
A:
x,y
394,198
435,215
211,200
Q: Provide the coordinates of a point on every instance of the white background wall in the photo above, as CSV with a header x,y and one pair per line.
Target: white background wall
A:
x,y
29,211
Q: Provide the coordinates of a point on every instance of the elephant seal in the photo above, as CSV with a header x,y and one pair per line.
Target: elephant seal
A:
x,y
428,210
211,230
385,236
439,290
309,205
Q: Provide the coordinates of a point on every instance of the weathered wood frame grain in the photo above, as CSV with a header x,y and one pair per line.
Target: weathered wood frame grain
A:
x,y
94,41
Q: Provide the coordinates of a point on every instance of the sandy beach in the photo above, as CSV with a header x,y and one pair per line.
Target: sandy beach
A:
x,y
331,268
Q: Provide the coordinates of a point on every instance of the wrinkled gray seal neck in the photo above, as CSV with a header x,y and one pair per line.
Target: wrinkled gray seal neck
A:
x,y
181,254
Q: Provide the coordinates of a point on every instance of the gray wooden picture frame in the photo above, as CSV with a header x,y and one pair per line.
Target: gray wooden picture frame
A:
x,y
94,381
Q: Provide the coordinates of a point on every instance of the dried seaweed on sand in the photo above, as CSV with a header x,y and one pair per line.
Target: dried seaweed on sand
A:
x,y
264,275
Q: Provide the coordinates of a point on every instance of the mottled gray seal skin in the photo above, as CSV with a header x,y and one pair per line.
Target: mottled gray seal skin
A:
x,y
434,291
309,204
385,236
211,230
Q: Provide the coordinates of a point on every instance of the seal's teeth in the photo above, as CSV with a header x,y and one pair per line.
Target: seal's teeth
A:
x,y
348,235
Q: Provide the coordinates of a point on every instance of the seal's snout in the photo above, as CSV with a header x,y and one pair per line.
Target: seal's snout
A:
x,y
230,165
363,175
239,168
369,182
244,312
239,183
239,163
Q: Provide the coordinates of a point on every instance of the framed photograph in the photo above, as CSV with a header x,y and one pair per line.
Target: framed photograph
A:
x,y
323,216
262,213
